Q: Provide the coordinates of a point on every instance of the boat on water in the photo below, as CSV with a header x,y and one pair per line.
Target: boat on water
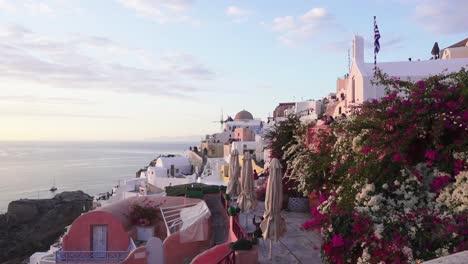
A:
x,y
53,188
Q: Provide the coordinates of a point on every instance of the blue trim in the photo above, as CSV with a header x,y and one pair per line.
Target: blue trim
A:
x,y
90,256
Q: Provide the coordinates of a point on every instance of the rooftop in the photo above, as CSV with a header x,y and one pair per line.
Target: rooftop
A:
x,y
416,68
243,115
462,43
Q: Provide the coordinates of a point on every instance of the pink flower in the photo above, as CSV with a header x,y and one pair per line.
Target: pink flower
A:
x,y
366,149
457,166
405,102
440,182
397,157
465,115
452,105
421,84
327,248
337,241
430,154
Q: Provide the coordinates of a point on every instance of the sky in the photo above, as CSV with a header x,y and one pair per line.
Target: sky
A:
x,y
166,69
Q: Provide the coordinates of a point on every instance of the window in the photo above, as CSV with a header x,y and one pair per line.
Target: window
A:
x,y
177,171
353,91
339,110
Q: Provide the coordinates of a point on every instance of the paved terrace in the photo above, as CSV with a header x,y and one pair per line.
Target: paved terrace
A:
x,y
296,246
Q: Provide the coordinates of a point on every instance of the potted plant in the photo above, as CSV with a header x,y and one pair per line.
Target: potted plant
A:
x,y
233,211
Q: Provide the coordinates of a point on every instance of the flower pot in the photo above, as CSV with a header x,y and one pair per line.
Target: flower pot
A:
x,y
247,256
298,204
144,233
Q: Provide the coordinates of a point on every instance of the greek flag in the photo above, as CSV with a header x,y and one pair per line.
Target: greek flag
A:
x,y
376,37
376,44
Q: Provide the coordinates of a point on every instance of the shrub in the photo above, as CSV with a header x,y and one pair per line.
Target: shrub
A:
x,y
396,175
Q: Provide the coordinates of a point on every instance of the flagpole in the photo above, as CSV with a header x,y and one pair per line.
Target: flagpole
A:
x,y
376,44
375,53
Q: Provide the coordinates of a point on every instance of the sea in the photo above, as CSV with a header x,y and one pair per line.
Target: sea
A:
x,y
29,169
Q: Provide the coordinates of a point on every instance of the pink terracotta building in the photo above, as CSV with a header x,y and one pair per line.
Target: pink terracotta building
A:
x,y
108,234
244,134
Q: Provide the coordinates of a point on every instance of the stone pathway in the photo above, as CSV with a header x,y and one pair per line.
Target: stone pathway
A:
x,y
296,246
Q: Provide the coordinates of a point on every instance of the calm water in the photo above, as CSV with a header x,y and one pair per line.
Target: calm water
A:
x,y
28,169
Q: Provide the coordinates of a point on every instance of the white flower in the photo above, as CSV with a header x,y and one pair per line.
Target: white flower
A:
x,y
409,253
385,186
455,195
378,230
365,257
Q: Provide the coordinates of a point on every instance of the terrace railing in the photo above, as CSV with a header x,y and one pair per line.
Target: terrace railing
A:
x,y
230,258
238,229
62,256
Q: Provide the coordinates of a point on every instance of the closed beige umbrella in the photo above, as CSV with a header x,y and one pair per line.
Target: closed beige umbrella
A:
x,y
233,187
273,225
247,199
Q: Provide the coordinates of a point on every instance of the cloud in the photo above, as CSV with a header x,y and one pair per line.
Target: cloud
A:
x,y
284,23
56,114
95,62
442,17
237,14
27,99
294,30
38,7
162,11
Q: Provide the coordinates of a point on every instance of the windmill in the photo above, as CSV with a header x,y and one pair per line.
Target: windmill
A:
x,y
221,119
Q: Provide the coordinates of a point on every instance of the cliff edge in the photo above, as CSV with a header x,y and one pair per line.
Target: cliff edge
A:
x,y
32,225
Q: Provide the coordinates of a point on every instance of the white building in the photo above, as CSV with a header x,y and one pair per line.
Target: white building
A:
x,y
243,119
457,50
243,146
170,166
357,86
307,111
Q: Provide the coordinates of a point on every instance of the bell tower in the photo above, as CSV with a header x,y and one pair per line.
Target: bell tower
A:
x,y
358,49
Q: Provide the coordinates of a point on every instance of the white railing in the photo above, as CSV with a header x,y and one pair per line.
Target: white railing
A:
x,y
171,216
68,256
62,256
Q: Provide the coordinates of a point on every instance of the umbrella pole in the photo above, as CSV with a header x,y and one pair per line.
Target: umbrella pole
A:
x,y
270,247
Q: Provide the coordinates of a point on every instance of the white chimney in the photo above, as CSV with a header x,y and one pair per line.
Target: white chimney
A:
x,y
358,49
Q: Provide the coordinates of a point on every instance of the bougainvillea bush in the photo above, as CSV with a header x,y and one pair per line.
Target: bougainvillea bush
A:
x,y
145,214
396,175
